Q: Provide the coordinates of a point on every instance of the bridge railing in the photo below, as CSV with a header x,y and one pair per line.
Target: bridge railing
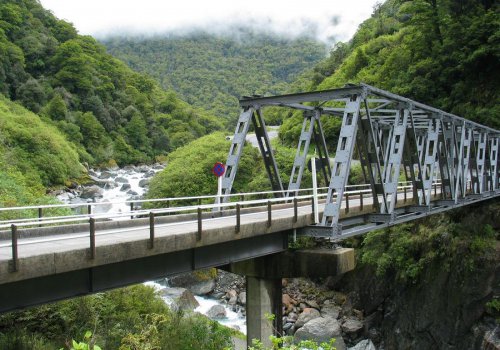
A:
x,y
136,211
153,213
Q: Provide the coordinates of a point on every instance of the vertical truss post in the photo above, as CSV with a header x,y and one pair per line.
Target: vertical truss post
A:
x,y
394,157
478,174
342,163
445,159
463,161
320,142
369,154
299,162
267,152
235,151
494,170
411,161
429,159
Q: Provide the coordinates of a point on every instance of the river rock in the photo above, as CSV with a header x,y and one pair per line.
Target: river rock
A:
x,y
288,302
321,329
196,282
233,297
91,192
307,315
331,310
105,175
131,192
242,298
129,168
364,345
121,180
143,183
313,304
352,326
216,311
182,299
142,168
125,187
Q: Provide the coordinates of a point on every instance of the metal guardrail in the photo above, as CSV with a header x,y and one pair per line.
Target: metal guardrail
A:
x,y
153,213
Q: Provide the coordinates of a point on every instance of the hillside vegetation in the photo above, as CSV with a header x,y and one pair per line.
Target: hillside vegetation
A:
x,y
213,71
440,52
103,107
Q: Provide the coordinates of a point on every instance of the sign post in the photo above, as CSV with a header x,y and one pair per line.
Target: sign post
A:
x,y
218,170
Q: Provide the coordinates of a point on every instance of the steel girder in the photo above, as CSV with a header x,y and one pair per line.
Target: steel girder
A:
x,y
393,137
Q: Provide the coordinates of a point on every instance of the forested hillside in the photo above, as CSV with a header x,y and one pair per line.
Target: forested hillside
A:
x,y
213,71
440,52
103,107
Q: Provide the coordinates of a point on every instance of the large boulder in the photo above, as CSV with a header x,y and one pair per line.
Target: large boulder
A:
x,y
143,183
352,326
321,329
198,282
364,345
181,298
91,192
121,180
307,315
216,312
330,310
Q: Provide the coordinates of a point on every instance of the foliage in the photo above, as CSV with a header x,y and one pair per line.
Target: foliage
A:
x,y
196,161
286,343
104,108
405,250
86,344
214,71
128,318
440,52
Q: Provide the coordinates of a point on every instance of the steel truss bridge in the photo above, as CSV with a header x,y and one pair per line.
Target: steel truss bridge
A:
x,y
390,135
447,162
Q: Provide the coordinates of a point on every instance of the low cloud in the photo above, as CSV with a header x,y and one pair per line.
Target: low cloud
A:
x,y
325,20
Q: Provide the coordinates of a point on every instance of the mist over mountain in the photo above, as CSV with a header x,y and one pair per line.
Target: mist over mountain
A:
x,y
212,71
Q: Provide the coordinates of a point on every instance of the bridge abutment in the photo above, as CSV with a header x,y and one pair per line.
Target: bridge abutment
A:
x,y
264,286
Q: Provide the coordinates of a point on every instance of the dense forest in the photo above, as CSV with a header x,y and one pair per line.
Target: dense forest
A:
x,y
440,52
213,71
108,111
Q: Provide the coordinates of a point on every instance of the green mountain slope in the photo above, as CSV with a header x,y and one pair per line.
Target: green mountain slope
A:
x,y
107,110
212,72
439,52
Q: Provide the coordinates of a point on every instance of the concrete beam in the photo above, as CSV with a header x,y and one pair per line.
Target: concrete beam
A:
x,y
299,263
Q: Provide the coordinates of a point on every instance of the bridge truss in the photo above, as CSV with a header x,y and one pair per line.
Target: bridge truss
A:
x,y
392,136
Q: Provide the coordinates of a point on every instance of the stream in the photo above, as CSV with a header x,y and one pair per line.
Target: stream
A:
x,y
113,187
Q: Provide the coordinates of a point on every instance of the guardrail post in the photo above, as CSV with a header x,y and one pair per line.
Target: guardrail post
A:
x,y
295,209
40,214
199,201
404,191
346,203
151,230
238,218
313,209
89,209
361,201
435,190
92,238
131,210
269,215
198,236
15,256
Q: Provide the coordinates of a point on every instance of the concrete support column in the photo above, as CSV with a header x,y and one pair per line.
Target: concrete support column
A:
x,y
263,298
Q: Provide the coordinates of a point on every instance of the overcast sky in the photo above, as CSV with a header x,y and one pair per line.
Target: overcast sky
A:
x,y
337,19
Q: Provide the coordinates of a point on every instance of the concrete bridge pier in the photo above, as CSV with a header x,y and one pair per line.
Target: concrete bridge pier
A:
x,y
264,286
263,300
